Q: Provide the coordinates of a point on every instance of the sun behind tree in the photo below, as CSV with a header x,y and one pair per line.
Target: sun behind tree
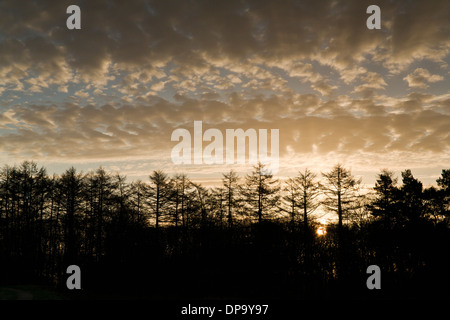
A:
x,y
340,190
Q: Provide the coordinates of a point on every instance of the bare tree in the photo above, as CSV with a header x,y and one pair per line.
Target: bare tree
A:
x,y
230,183
300,193
137,194
181,185
202,195
261,191
70,193
309,189
217,203
290,201
158,193
99,194
340,189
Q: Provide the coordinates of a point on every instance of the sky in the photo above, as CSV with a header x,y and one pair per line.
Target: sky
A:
x,y
112,93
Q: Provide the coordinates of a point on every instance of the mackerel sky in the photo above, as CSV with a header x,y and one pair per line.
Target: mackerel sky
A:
x,y
112,93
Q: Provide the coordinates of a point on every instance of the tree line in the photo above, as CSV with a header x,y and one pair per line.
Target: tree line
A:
x,y
169,232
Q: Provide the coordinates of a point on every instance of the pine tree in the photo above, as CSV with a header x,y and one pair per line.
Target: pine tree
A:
x,y
261,191
70,197
340,189
230,183
385,203
159,192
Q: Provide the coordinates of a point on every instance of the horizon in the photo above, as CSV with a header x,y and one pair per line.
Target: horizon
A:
x,y
216,180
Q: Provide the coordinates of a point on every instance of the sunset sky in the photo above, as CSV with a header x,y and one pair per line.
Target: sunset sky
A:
x,y
112,93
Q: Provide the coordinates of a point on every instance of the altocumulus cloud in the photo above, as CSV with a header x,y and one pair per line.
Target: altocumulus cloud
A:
x,y
138,70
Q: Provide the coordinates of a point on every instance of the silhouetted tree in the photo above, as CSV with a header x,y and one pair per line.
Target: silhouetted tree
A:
x,y
181,185
230,183
300,193
158,193
444,180
261,191
291,199
101,222
340,189
434,203
385,203
217,202
8,207
137,199
99,193
202,195
309,189
25,191
122,197
444,185
437,200
70,195
411,198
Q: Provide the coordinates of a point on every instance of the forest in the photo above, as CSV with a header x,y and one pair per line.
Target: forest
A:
x,y
254,236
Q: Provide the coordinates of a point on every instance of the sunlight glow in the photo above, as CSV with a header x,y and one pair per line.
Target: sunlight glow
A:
x,y
321,231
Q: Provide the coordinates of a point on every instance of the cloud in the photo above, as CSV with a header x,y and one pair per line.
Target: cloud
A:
x,y
420,78
371,80
138,70
201,39
323,87
111,131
